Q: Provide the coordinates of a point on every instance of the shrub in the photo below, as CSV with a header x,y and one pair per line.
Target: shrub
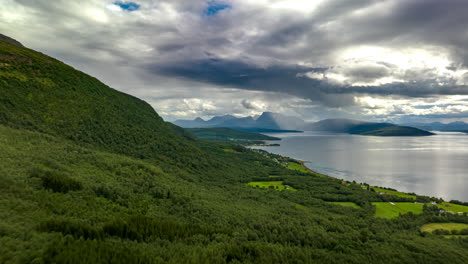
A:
x,y
56,181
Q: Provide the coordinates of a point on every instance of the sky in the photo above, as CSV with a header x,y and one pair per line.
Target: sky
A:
x,y
378,60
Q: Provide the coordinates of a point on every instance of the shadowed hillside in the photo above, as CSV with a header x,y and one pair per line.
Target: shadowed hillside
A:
x,y
43,94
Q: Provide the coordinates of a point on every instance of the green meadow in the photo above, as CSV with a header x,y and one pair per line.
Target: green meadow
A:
x,y
277,185
396,193
389,210
444,226
348,204
456,208
295,166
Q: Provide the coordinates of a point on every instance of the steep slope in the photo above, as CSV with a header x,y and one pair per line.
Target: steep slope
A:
x,y
10,40
43,94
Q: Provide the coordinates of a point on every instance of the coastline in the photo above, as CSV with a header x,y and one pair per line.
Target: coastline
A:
x,y
302,164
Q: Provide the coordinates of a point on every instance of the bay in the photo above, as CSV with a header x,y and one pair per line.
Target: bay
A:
x,y
434,166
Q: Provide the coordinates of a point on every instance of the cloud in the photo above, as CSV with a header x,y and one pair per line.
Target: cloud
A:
x,y
324,54
252,105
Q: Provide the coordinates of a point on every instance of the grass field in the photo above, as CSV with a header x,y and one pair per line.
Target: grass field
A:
x,y
296,166
349,204
453,207
396,193
277,185
455,236
389,211
445,226
231,151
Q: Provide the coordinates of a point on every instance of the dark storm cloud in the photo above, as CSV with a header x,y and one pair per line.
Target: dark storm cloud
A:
x,y
284,79
248,104
291,80
407,23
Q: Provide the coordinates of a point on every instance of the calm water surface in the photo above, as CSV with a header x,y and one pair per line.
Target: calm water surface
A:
x,y
434,166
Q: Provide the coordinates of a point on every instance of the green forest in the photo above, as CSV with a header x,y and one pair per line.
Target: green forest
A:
x,y
231,136
92,175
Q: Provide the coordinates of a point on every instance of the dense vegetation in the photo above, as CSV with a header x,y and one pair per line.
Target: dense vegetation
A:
x,y
91,175
366,128
396,131
231,136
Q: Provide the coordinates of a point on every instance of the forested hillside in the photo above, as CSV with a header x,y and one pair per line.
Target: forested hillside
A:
x,y
230,135
92,175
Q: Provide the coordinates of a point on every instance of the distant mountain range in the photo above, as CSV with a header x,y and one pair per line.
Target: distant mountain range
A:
x,y
275,121
438,126
266,120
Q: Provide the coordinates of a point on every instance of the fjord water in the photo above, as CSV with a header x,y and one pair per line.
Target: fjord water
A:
x,y
434,166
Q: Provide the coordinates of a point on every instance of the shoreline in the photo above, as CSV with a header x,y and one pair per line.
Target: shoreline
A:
x,y
302,163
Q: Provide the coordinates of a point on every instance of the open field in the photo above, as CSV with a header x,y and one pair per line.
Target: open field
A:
x,y
277,185
231,151
389,210
445,226
453,207
396,193
349,204
295,166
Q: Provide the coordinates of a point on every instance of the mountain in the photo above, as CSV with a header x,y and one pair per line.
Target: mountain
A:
x,y
274,121
271,120
43,94
10,40
335,125
197,122
242,122
365,128
396,131
220,119
267,120
92,175
438,126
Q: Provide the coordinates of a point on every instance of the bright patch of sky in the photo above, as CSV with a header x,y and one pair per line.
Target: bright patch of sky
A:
x,y
214,7
129,6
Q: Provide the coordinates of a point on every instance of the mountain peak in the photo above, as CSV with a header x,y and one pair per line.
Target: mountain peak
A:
x,y
10,40
221,118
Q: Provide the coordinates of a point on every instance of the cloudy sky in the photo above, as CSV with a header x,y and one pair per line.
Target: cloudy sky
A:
x,y
392,60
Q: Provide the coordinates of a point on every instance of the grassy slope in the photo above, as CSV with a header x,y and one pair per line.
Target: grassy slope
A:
x,y
349,204
296,166
387,210
445,226
91,175
277,185
453,207
399,194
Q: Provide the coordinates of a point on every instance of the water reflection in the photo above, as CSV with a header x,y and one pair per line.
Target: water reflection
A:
x,y
435,166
